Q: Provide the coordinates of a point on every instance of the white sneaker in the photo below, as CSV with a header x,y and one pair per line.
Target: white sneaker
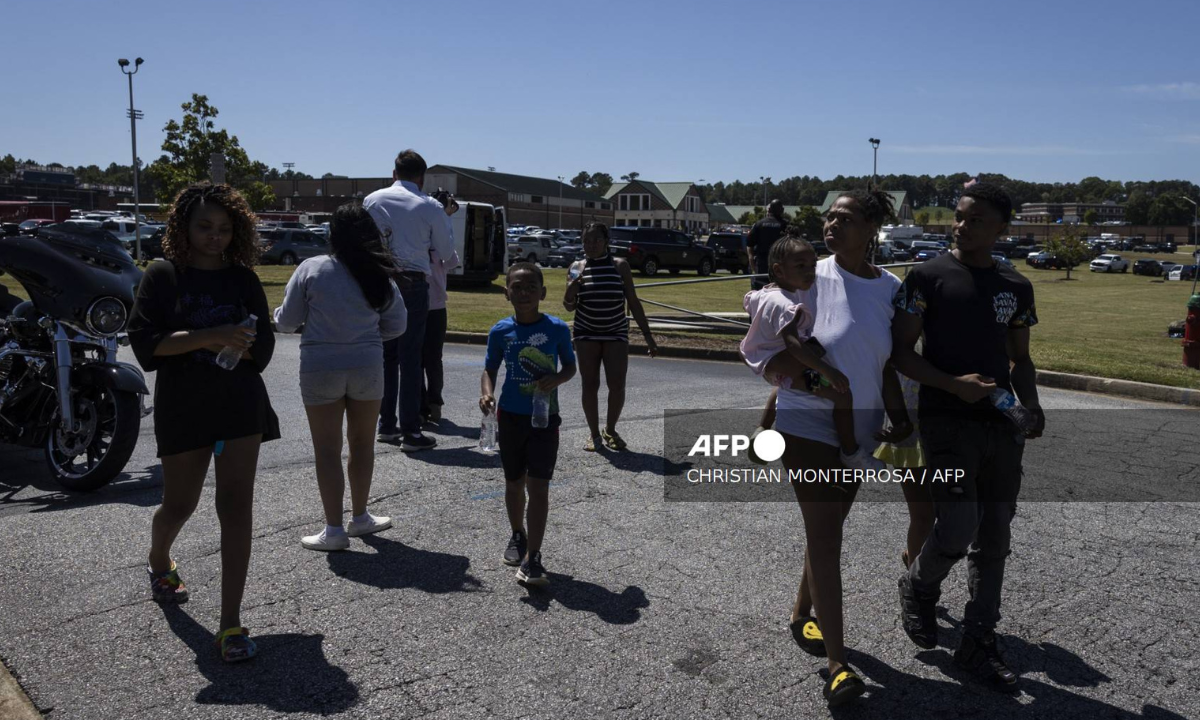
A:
x,y
862,460
326,542
371,525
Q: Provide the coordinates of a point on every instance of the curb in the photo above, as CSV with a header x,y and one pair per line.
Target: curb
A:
x,y
1045,378
14,703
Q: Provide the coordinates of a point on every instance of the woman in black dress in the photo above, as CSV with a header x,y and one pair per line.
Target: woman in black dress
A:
x,y
598,296
188,309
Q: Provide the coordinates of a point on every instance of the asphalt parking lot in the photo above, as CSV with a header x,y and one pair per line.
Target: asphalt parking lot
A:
x,y
656,609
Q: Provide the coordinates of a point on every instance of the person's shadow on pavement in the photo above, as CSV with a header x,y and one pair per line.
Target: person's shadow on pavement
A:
x,y
395,565
633,461
623,608
290,673
891,689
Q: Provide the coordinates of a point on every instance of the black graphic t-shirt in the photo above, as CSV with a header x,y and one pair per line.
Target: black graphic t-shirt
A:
x,y
967,313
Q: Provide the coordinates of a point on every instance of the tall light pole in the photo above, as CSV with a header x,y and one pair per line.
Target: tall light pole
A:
x,y
765,181
560,202
1195,241
134,115
875,166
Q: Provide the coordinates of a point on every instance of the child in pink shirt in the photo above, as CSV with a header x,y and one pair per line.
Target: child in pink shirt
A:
x,y
781,320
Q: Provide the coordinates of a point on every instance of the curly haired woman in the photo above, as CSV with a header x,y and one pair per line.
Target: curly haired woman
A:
x,y
187,310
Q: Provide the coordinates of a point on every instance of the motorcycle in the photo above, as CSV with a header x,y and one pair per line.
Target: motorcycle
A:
x,y
62,387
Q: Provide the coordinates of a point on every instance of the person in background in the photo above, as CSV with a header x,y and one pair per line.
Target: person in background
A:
x,y
598,296
435,336
762,236
349,307
413,224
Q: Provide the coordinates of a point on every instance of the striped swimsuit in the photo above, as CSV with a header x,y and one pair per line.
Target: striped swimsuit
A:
x,y
600,304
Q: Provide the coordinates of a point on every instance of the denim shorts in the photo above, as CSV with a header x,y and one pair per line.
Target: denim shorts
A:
x,y
329,386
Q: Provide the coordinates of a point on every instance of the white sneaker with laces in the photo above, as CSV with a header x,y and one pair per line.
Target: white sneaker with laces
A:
x,y
862,460
372,524
329,542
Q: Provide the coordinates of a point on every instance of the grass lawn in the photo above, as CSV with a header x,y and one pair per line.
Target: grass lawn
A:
x,y
1105,325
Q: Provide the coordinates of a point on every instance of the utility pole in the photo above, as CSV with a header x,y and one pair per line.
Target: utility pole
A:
x,y
560,202
875,166
134,116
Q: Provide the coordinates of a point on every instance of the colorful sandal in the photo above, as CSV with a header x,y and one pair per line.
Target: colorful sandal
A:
x,y
807,634
594,444
612,440
843,686
166,587
235,645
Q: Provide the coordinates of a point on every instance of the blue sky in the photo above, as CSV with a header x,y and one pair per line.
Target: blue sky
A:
x,y
1046,91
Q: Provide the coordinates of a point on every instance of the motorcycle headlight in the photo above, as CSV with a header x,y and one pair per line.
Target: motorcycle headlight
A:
x,y
106,316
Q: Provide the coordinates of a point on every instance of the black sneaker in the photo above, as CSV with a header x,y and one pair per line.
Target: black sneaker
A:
x,y
516,549
417,442
980,655
918,615
531,571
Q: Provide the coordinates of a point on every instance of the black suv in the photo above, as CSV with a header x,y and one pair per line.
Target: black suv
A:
x,y
730,252
653,249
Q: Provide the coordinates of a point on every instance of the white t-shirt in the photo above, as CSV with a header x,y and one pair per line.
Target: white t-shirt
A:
x,y
854,324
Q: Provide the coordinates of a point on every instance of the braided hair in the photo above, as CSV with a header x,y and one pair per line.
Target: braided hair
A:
x,y
877,207
243,251
792,241
354,239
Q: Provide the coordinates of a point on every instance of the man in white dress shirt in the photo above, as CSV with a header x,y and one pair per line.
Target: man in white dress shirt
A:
x,y
412,224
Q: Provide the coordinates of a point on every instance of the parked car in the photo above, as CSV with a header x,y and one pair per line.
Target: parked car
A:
x,y
924,254
1109,263
1045,261
530,248
564,255
10,228
730,252
652,249
318,230
819,246
1182,272
288,246
30,227
1147,249
1147,266
1167,266
1001,259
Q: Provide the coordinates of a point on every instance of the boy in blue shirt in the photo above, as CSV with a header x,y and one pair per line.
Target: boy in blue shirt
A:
x,y
530,344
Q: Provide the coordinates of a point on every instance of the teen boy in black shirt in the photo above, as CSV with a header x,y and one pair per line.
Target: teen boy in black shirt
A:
x,y
975,314
763,235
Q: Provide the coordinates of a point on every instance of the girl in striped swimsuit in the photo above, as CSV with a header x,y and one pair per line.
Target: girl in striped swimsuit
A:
x,y
598,296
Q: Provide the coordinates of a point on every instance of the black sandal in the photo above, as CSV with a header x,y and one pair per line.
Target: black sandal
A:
x,y
807,634
843,686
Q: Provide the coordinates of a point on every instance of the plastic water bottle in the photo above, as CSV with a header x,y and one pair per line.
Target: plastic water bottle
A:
x,y
1007,403
541,410
230,356
575,271
487,433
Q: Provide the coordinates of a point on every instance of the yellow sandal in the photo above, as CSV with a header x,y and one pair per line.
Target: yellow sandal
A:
x,y
235,645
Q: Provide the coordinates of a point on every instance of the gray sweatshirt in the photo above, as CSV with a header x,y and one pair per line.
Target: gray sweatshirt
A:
x,y
341,329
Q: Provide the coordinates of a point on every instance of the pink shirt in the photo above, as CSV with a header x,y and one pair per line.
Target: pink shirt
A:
x,y
771,310
437,278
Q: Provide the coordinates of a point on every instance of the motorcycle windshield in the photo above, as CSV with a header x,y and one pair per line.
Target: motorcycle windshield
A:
x,y
65,271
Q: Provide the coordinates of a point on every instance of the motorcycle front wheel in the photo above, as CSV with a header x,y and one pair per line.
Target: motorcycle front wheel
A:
x,y
109,422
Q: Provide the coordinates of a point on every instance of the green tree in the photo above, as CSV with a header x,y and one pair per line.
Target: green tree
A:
x,y
582,180
1137,209
810,222
923,217
187,150
1070,247
1091,217
8,164
601,182
631,176
1170,210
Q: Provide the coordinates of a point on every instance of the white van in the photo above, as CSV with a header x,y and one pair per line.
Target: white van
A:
x,y
480,241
